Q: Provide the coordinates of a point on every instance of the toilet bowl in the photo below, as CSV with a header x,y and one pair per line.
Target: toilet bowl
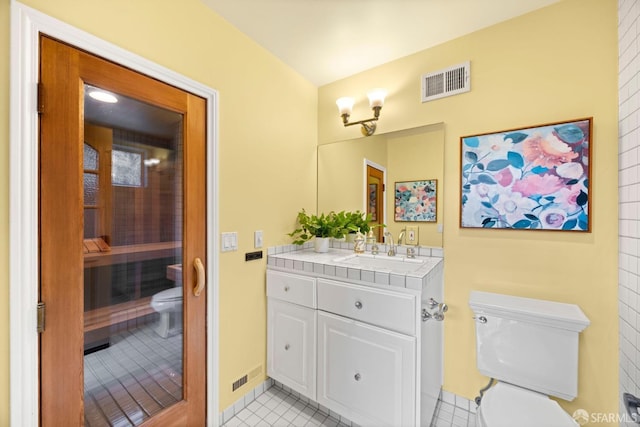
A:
x,y
506,405
531,347
168,304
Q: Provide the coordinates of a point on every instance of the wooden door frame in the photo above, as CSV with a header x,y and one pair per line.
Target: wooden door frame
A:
x,y
26,26
365,198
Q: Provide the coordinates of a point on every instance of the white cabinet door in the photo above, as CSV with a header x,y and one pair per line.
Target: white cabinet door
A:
x,y
366,373
291,346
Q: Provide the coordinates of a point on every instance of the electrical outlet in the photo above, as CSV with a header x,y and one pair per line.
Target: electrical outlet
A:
x,y
412,235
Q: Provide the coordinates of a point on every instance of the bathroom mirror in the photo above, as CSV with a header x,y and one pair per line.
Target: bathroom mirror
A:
x,y
414,154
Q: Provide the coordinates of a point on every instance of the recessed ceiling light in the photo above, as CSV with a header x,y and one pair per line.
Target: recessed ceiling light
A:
x,y
103,96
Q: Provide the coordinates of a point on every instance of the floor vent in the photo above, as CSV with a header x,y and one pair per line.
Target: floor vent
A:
x,y
239,383
447,82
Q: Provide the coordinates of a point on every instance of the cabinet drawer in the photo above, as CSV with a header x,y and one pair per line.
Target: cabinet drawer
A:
x,y
292,288
391,310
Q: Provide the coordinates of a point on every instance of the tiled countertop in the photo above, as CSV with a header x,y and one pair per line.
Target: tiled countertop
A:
x,y
308,261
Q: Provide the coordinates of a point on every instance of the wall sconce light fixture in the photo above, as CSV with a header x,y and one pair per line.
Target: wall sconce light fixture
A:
x,y
376,100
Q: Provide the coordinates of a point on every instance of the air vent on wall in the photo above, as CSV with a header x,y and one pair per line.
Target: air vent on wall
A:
x,y
255,372
449,81
239,383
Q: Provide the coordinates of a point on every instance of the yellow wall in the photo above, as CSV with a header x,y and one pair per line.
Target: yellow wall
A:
x,y
554,64
417,155
340,172
267,145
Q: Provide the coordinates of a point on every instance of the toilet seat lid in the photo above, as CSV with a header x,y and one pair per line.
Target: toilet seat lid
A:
x,y
173,294
508,405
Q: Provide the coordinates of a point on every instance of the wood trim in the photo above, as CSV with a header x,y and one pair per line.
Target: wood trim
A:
x,y
62,367
113,314
131,253
61,283
195,213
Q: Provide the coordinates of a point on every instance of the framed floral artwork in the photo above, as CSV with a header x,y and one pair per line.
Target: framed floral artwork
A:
x,y
416,200
534,178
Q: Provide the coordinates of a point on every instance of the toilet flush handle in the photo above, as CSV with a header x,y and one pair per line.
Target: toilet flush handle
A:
x,y
199,267
480,319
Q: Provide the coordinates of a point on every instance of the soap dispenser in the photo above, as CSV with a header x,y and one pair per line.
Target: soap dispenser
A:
x,y
358,243
371,240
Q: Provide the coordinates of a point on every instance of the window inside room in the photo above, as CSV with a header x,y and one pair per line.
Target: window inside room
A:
x,y
127,167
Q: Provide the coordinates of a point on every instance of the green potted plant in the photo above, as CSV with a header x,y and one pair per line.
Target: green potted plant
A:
x,y
359,221
323,227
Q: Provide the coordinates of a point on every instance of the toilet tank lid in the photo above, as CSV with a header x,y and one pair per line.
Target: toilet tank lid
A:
x,y
550,313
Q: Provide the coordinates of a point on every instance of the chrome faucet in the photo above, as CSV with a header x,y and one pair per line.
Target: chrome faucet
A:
x,y
392,247
401,236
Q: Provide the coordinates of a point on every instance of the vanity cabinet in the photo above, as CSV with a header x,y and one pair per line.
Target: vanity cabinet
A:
x,y
291,331
357,346
366,370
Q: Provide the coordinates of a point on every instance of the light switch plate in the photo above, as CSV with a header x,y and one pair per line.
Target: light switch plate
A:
x,y
411,235
257,239
229,241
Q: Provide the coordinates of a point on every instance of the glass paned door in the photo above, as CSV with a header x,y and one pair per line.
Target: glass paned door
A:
x,y
122,211
133,295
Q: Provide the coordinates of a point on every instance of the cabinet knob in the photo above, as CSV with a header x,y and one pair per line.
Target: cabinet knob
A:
x,y
357,377
286,288
358,305
286,346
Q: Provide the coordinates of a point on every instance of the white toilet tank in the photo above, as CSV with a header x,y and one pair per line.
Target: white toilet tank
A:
x,y
528,342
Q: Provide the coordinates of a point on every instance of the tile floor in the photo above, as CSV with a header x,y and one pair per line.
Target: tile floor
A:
x,y
278,408
133,379
450,415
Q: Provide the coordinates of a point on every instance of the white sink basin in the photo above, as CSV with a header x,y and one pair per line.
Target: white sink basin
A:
x,y
398,263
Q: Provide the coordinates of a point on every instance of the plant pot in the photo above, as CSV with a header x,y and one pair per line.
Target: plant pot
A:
x,y
350,238
322,244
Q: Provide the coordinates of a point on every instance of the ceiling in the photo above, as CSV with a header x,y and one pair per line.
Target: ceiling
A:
x,y
327,40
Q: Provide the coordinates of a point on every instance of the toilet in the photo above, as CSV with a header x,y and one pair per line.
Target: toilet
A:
x,y
531,347
168,304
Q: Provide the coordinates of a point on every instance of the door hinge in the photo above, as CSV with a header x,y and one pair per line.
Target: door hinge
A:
x,y
40,106
41,312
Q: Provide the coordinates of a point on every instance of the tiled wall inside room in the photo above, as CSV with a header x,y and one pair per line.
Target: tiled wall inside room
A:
x,y
629,198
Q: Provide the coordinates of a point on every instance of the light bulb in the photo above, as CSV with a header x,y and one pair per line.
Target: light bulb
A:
x,y
345,105
376,97
103,96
